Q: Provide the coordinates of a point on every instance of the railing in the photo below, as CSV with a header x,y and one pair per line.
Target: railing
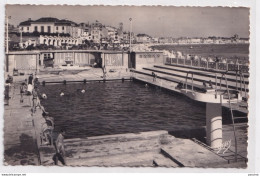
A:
x,y
208,64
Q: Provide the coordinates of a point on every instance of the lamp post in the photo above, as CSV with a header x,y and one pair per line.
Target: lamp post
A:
x,y
130,46
21,36
7,37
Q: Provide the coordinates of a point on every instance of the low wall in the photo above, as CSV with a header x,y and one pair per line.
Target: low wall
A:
x,y
115,60
148,59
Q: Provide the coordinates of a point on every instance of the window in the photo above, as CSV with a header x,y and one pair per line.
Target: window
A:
x,y
27,28
57,28
62,27
49,29
42,28
36,28
22,28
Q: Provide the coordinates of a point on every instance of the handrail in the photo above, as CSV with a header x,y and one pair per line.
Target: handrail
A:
x,y
233,124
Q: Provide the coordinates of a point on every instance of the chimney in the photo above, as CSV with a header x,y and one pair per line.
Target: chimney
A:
x,y
29,19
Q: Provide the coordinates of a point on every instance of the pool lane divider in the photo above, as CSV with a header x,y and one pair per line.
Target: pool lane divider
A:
x,y
84,81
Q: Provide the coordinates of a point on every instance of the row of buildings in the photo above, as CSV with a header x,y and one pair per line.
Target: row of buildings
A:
x,y
56,32
144,38
62,32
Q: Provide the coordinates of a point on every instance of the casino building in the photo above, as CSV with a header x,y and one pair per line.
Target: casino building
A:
x,y
48,25
52,31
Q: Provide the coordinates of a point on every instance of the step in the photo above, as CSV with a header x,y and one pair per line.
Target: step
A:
x,y
144,159
197,78
239,118
246,75
191,154
162,161
201,73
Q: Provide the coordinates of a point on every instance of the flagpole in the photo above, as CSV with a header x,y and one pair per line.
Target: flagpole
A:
x,y
130,46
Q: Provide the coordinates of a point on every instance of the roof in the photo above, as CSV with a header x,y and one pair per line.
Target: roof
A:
x,y
49,20
25,23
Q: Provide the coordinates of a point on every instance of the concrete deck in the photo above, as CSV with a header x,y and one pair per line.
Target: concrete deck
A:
x,y
20,146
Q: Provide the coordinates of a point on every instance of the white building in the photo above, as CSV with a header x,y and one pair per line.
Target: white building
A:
x,y
59,41
48,25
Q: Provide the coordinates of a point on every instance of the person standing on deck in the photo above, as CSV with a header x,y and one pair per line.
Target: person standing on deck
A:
x,y
34,99
154,76
30,84
22,91
104,72
36,81
60,150
30,79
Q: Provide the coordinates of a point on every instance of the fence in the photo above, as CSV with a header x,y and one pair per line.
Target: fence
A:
x,y
207,64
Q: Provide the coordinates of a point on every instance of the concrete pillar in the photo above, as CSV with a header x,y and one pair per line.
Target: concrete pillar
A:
x,y
214,124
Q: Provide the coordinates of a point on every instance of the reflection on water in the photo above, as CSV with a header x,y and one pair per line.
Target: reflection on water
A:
x,y
116,107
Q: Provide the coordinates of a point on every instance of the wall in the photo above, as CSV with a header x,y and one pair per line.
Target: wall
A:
x,y
23,63
148,59
115,60
78,58
45,25
29,60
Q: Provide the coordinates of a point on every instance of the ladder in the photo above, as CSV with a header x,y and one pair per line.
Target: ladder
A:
x,y
242,81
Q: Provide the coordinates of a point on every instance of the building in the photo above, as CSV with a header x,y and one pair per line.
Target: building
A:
x,y
95,31
143,38
49,25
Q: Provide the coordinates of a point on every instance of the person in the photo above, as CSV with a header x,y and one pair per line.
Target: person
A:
x,y
60,150
30,85
210,84
22,91
9,79
36,81
30,79
48,128
6,93
104,72
154,76
36,100
204,84
180,85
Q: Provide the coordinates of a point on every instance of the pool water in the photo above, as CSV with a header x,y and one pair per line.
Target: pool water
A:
x,y
116,108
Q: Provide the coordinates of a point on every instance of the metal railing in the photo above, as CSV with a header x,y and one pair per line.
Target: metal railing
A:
x,y
208,64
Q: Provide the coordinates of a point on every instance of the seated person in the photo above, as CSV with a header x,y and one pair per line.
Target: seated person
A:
x,y
47,128
180,85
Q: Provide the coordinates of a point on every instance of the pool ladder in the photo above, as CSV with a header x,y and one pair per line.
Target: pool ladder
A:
x,y
230,106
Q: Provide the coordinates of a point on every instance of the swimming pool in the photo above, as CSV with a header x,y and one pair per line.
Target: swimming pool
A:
x,y
117,107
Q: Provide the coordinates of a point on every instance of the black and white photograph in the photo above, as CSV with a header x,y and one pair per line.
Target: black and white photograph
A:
x,y
126,86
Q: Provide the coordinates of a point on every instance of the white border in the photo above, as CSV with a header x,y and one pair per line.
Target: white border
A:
x,y
254,147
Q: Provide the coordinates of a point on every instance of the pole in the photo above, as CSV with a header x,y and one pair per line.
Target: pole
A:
x,y
130,46
7,40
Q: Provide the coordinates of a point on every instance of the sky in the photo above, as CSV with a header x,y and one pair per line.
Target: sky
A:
x,y
157,21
